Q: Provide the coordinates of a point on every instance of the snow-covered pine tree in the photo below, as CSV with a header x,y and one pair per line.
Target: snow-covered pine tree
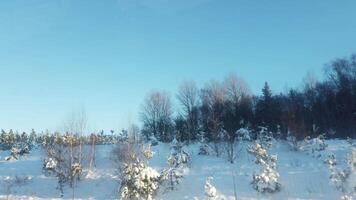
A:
x,y
140,181
210,190
243,134
204,148
179,156
343,178
314,146
267,180
7,139
178,161
265,138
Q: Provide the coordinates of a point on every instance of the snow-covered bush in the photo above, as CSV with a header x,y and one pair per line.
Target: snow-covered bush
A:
x,y
243,134
210,190
17,152
331,161
314,146
343,179
259,153
126,152
63,159
7,139
49,164
319,143
339,178
76,170
139,181
148,153
172,177
346,197
293,142
265,138
267,180
179,161
204,149
179,156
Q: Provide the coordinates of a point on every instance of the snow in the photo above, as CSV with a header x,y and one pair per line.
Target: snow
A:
x,y
302,176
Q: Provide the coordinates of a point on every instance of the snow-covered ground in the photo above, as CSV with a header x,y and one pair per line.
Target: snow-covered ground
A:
x,y
302,176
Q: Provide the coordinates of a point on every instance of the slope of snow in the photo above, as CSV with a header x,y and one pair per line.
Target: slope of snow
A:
x,y
302,176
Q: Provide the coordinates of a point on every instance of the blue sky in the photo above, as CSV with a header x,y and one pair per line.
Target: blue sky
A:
x,y
105,56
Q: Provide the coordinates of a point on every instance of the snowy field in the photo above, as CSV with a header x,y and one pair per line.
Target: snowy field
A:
x,y
302,176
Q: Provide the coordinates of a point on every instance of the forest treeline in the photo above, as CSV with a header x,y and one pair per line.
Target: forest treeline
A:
x,y
219,109
326,106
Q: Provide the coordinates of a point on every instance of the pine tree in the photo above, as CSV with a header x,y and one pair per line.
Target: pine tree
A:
x,y
210,190
267,180
140,181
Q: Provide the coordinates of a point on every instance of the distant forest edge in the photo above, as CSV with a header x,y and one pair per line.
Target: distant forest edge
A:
x,y
326,106
319,107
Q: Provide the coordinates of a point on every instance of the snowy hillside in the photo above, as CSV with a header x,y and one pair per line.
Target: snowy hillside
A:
x,y
302,176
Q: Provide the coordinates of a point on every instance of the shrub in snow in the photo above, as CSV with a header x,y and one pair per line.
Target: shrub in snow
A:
x,y
49,164
63,159
204,149
139,181
259,153
293,142
210,190
148,153
7,139
319,143
331,161
339,178
76,170
172,177
179,161
346,197
179,156
314,146
265,138
16,152
267,180
126,152
243,134
343,179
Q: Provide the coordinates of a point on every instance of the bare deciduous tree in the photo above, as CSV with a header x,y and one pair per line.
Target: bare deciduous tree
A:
x,y
188,98
213,97
157,115
236,88
67,150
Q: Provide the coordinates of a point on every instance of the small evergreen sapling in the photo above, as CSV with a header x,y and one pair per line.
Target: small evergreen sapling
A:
x,y
210,190
178,161
267,180
343,179
140,181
